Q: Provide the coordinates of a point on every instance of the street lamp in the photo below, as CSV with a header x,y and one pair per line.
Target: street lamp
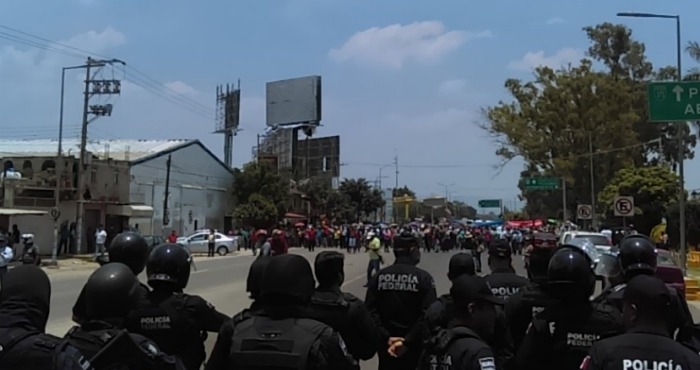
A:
x,y
681,148
447,186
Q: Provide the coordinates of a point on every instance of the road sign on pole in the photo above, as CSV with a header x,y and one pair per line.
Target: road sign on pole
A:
x,y
584,212
541,183
673,101
624,206
490,203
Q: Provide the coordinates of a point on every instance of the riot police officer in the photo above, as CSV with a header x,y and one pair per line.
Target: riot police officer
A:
x,y
24,311
254,289
463,345
110,293
128,248
637,256
440,312
397,297
647,344
560,336
280,337
532,298
177,322
342,311
503,280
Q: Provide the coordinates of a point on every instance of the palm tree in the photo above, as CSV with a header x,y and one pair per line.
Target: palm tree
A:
x,y
693,49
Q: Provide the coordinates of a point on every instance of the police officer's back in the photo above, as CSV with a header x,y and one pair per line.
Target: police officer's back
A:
x,y
24,311
280,337
637,256
503,280
646,344
463,345
128,248
110,293
397,297
342,311
254,289
177,322
440,312
561,335
532,298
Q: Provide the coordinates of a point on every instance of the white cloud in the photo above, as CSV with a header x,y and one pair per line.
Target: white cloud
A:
x,y
181,88
394,45
451,87
536,59
555,20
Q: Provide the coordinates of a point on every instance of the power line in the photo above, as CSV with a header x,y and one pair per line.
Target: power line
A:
x,y
137,77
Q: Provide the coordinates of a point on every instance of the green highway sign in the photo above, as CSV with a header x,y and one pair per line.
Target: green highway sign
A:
x,y
541,183
490,203
673,101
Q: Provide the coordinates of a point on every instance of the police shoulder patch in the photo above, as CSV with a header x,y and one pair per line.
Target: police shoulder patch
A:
x,y
487,363
585,363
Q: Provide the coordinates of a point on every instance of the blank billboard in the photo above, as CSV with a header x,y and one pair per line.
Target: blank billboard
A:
x,y
294,101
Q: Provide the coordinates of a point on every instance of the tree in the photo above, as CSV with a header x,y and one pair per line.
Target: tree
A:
x,y
463,210
258,212
326,201
364,199
692,217
553,119
261,179
403,191
654,188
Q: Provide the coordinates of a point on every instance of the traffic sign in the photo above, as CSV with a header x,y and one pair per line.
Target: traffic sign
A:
x,y
490,203
673,101
584,212
55,213
541,183
624,206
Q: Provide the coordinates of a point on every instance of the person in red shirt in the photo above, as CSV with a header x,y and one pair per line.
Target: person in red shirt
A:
x,y
172,238
278,245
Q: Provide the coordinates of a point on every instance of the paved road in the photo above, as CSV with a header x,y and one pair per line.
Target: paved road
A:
x,y
221,280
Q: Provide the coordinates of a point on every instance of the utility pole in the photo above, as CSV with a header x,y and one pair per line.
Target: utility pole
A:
x,y
166,211
396,186
590,151
92,87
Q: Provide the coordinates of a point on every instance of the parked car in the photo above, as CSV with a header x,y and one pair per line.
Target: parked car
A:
x,y
153,241
199,243
600,240
668,271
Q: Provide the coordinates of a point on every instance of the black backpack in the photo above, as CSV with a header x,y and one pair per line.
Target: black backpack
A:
x,y
264,343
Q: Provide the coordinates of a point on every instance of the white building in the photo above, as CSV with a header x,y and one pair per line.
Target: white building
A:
x,y
125,180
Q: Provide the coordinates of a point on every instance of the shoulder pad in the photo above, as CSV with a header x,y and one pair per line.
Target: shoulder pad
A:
x,y
242,316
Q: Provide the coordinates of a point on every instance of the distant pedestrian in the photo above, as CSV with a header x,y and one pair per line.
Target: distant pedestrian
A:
x,y
172,238
6,255
100,240
211,243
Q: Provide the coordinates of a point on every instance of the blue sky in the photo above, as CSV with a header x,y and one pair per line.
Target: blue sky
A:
x,y
406,77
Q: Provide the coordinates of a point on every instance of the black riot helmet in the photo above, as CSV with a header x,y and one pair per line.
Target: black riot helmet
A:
x,y
131,249
637,256
405,244
570,274
111,292
169,265
538,263
288,280
255,277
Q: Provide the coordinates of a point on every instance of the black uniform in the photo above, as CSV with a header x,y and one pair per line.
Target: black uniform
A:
x,y
647,345
110,293
561,335
505,282
177,322
460,345
522,307
348,315
280,337
24,311
397,298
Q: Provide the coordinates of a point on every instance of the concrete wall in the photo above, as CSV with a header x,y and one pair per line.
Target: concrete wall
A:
x,y
200,191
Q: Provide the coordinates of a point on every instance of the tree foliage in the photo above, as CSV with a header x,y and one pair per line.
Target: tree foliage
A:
x,y
556,120
403,191
362,197
654,188
261,179
257,212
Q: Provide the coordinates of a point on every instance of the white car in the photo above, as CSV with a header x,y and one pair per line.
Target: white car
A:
x,y
601,241
199,243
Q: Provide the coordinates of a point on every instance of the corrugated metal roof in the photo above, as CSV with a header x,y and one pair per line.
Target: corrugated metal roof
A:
x,y
122,150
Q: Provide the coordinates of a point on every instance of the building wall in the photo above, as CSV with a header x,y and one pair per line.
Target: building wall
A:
x,y
108,182
200,192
